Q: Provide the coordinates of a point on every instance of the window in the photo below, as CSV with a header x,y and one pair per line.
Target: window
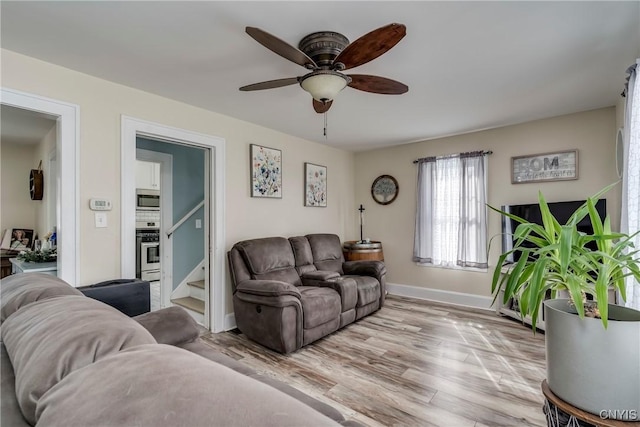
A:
x,y
451,213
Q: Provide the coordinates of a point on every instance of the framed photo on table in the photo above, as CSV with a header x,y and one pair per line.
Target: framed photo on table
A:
x,y
17,239
266,172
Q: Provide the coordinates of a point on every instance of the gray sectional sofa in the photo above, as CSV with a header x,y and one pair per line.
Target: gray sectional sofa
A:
x,y
69,360
288,293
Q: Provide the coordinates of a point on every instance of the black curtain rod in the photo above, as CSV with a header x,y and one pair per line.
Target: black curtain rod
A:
x,y
629,71
486,153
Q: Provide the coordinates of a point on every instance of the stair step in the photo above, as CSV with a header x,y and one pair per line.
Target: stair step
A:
x,y
196,289
197,284
190,303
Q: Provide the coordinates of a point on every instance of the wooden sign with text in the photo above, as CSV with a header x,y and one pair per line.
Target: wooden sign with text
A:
x,y
560,166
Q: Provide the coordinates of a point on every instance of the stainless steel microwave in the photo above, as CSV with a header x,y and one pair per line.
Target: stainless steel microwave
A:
x,y
147,200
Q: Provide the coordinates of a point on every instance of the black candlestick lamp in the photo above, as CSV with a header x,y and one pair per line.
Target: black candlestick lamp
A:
x,y
361,209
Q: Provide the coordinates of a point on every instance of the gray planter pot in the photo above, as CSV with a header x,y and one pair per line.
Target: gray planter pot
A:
x,y
592,368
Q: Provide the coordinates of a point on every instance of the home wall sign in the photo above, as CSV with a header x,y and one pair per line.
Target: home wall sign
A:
x,y
558,166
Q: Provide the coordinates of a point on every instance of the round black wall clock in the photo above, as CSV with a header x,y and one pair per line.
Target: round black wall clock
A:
x,y
35,184
384,189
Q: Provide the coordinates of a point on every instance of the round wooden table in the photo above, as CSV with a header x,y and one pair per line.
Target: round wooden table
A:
x,y
560,413
356,251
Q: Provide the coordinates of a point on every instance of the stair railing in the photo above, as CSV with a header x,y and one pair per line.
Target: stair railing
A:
x,y
184,218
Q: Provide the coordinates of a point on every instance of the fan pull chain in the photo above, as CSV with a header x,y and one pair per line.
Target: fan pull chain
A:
x,y
325,125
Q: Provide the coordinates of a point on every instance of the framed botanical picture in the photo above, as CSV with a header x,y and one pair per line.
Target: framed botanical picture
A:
x,y
558,166
266,172
315,185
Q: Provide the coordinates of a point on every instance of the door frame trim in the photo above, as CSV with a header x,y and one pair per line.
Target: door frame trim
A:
x,y
67,152
131,128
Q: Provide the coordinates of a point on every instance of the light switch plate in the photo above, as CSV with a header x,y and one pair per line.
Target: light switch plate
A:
x,y
101,219
198,223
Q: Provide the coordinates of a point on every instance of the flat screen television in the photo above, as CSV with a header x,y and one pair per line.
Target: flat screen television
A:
x,y
531,212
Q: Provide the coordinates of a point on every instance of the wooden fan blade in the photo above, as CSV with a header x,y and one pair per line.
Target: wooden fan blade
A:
x,y
376,84
280,47
371,45
271,84
321,107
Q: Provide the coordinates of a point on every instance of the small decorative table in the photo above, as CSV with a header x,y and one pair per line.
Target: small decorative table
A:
x,y
562,414
356,251
34,267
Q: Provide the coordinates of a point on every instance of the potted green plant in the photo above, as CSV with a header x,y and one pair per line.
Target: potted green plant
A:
x,y
40,255
592,347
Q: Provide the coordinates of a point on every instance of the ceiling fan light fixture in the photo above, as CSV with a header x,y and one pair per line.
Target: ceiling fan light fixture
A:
x,y
324,85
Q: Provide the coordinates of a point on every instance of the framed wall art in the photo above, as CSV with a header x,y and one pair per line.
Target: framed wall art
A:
x,y
315,185
558,166
384,189
266,172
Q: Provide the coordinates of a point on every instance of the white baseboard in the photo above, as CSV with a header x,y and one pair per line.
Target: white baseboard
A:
x,y
438,295
229,321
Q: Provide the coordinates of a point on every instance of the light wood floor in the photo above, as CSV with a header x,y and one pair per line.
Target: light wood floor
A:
x,y
415,363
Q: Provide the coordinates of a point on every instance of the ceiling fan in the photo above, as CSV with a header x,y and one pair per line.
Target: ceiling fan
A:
x,y
326,54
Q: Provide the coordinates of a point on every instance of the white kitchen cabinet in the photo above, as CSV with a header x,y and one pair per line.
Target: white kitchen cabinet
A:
x,y
147,175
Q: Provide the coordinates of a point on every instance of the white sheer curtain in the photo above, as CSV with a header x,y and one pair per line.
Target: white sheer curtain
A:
x,y
472,236
451,213
630,221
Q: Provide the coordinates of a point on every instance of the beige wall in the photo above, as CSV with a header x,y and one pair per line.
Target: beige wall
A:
x,y
101,105
18,210
592,133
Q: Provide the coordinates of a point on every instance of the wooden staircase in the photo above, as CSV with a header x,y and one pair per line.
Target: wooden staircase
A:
x,y
194,303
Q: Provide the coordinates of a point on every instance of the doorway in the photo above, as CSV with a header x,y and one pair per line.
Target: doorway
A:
x,y
154,172
183,234
212,225
67,205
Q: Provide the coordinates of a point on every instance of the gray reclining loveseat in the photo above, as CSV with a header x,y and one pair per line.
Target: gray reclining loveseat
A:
x,y
288,293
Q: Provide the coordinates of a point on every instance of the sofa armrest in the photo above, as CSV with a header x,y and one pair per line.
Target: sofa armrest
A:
x,y
364,268
171,325
273,321
267,288
347,288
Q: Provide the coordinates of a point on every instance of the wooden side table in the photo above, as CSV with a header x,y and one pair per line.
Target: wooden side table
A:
x,y
560,414
5,264
356,251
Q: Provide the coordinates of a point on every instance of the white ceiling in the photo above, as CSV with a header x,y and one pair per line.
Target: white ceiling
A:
x,y
468,65
20,126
